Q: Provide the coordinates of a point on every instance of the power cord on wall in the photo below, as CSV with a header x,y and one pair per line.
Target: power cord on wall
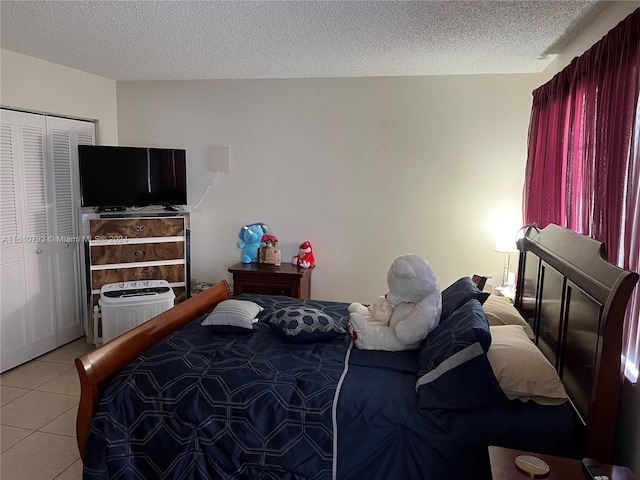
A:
x,y
211,182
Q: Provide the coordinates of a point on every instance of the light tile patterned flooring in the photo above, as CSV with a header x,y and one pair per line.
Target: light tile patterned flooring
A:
x,y
38,417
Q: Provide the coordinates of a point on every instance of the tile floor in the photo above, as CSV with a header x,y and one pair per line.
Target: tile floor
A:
x,y
38,417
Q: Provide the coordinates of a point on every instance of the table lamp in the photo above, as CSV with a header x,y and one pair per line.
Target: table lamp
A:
x,y
507,245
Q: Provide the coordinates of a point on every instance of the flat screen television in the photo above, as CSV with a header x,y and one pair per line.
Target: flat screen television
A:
x,y
116,177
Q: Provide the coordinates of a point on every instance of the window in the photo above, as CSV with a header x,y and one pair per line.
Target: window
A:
x,y
583,165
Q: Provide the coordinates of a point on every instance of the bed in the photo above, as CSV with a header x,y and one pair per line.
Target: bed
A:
x,y
173,398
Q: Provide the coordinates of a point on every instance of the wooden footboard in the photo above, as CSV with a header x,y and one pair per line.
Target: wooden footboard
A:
x,y
97,367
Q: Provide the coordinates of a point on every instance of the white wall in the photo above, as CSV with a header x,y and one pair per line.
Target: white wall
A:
x,y
627,450
28,83
366,169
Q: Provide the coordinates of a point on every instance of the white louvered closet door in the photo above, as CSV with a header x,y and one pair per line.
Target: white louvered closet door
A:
x,y
13,296
63,138
27,296
40,265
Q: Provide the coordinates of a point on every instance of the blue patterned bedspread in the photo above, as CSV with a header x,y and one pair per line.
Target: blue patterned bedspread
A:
x,y
201,405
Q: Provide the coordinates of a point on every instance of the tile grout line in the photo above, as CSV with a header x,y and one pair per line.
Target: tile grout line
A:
x,y
75,407
36,388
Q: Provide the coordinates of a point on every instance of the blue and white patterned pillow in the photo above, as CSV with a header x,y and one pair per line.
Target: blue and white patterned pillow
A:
x,y
454,371
304,324
459,293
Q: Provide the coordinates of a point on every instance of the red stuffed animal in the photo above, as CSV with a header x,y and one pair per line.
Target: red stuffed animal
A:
x,y
305,257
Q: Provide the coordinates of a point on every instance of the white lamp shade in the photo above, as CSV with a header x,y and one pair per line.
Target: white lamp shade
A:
x,y
506,245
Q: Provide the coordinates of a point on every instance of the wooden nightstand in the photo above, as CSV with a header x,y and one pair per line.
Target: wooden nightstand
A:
x,y
503,467
261,279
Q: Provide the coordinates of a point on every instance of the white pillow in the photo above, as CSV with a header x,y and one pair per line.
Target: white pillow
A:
x,y
236,313
522,370
500,312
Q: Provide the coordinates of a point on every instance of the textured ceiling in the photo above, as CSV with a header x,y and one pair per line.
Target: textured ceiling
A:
x,y
171,40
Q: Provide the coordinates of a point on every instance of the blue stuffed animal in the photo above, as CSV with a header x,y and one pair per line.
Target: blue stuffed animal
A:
x,y
251,236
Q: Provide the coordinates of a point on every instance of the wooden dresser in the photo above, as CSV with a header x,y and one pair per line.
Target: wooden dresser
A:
x,y
138,246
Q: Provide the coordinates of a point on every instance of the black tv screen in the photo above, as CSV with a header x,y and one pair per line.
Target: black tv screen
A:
x,y
167,177
132,176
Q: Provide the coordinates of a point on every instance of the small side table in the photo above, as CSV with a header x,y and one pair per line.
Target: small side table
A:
x,y
503,467
262,279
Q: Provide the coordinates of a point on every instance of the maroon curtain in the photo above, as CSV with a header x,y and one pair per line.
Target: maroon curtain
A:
x,y
583,163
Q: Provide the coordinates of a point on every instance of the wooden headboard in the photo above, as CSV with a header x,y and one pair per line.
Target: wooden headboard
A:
x,y
575,301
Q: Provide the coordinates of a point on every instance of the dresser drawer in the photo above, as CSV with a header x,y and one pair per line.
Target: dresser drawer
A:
x,y
114,229
170,273
263,289
180,293
136,252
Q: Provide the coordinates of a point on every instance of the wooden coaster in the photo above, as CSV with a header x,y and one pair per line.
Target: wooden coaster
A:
x,y
532,466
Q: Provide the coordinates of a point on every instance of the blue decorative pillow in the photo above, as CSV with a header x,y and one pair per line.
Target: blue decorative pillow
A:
x,y
459,293
304,324
454,371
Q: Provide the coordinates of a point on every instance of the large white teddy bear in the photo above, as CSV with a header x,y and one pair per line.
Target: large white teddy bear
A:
x,y
415,296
